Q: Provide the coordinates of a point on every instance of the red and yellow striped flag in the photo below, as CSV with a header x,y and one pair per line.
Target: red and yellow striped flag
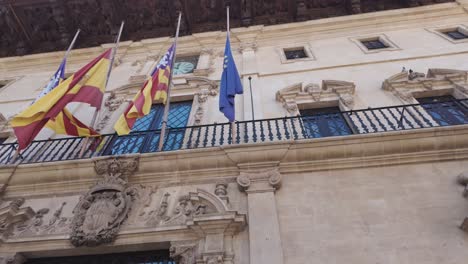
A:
x,y
86,86
67,124
155,88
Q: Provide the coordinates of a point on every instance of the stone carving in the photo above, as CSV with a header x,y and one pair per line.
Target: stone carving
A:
x,y
159,216
111,104
102,210
463,180
12,215
437,81
221,191
263,180
183,252
34,225
339,91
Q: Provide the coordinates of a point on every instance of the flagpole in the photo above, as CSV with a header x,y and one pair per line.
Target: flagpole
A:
x,y
114,51
233,123
72,44
168,100
70,47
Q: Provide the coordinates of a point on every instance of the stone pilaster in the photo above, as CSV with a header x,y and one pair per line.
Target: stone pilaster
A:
x,y
264,231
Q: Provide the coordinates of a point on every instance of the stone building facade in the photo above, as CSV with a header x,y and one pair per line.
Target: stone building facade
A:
x,y
390,189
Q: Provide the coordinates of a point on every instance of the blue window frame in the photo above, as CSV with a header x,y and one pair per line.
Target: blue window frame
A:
x,y
146,131
445,110
324,122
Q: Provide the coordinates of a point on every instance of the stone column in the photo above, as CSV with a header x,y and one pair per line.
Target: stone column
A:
x,y
264,231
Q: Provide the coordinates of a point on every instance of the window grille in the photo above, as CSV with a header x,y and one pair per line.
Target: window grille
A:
x,y
142,140
294,54
445,110
324,122
456,34
374,44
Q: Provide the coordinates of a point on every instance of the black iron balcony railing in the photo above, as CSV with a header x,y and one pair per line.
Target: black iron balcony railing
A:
x,y
365,121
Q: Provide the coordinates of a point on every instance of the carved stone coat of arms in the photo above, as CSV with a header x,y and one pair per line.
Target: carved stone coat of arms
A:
x,y
102,210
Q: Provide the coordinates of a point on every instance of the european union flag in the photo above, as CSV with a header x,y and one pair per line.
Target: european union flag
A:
x,y
58,77
230,85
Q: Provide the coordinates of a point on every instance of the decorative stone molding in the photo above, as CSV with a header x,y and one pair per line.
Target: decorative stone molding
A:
x,y
111,104
463,180
409,85
13,259
12,215
259,181
183,252
101,211
340,92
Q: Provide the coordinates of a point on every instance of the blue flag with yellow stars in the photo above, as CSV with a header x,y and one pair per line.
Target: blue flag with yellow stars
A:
x,y
230,85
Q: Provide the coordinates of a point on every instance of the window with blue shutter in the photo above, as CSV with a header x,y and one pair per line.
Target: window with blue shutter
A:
x,y
146,131
324,122
445,110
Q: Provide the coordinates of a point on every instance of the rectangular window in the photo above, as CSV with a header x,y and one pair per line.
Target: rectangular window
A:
x,y
185,65
374,44
146,131
324,122
149,257
293,54
455,34
445,110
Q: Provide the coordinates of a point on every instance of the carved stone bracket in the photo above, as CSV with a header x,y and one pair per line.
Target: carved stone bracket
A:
x,y
332,91
409,85
183,252
259,181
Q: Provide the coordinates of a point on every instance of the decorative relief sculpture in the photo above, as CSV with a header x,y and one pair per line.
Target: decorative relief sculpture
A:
x,y
12,215
463,180
183,252
102,210
111,104
446,81
339,91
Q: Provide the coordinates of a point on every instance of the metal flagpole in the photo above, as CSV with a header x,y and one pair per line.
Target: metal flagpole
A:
x,y
168,100
251,98
114,51
72,44
233,124
70,47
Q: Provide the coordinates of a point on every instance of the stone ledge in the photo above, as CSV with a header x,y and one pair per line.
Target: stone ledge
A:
x,y
211,164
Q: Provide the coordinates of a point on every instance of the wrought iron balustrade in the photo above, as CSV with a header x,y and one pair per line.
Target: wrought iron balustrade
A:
x,y
364,121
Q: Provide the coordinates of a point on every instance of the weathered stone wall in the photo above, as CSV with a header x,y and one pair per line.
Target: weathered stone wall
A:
x,y
387,214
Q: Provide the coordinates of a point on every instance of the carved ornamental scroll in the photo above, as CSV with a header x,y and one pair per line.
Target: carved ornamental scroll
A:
x,y
332,92
409,85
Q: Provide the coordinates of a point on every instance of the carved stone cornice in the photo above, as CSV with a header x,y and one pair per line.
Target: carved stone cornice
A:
x,y
332,90
409,85
266,181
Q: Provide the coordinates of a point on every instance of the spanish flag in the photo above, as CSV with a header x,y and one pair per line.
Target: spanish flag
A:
x,y
86,86
155,88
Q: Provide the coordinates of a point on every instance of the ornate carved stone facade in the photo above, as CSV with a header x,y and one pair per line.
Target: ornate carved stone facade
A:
x,y
409,85
332,93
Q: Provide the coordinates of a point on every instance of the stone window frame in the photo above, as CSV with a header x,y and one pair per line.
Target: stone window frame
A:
x,y
309,96
437,82
391,46
4,83
305,46
439,31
